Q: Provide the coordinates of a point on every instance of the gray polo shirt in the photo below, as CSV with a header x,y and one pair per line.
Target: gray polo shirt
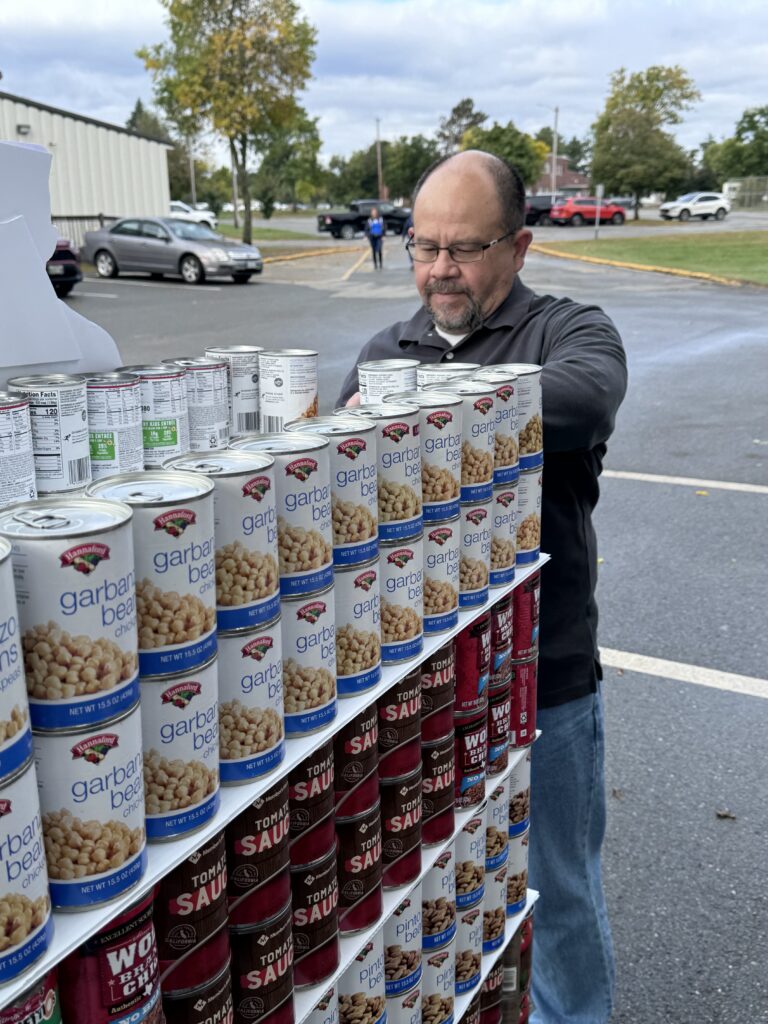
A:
x,y
584,381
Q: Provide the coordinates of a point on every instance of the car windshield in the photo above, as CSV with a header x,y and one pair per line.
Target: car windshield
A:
x,y
191,231
687,197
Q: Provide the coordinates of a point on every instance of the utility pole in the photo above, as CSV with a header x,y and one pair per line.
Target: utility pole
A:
x,y
378,159
235,197
192,187
553,182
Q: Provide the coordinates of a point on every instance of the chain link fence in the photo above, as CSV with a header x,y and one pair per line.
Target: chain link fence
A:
x,y
747,193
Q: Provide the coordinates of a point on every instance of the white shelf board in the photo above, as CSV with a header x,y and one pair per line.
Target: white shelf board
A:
x,y
72,929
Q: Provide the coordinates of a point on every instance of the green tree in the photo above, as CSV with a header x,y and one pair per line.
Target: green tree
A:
x,y
356,176
406,161
235,66
579,152
518,148
144,121
460,120
745,153
547,136
289,170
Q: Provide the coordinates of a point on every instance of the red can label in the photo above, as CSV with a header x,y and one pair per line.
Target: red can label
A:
x,y
501,622
315,901
471,752
473,664
355,763
401,829
522,716
400,727
311,799
438,685
360,852
525,618
262,970
257,858
437,782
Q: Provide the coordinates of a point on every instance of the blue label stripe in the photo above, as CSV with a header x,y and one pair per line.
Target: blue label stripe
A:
x,y
161,662
477,492
19,959
252,767
356,554
500,577
470,899
475,597
490,944
435,511
248,615
140,1013
439,938
88,892
166,826
465,986
527,557
348,686
491,863
496,751
533,461
91,711
306,583
16,753
506,475
401,652
518,828
515,908
396,988
500,657
307,721
439,623
405,530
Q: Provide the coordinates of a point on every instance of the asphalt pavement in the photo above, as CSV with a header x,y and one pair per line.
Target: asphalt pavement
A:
x,y
682,578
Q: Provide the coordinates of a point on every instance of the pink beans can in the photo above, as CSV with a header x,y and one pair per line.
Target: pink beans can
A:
x,y
438,685
497,826
356,762
469,948
471,746
525,618
362,985
473,664
311,800
400,727
494,908
499,708
522,716
470,859
402,945
437,797
315,899
438,901
360,870
401,829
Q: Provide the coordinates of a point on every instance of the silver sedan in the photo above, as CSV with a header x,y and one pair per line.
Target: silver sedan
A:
x,y
165,245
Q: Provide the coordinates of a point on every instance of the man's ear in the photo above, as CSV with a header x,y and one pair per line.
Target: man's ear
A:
x,y
520,244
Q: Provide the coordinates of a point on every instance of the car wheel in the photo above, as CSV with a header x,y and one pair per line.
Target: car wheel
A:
x,y
685,215
347,231
544,220
105,264
64,289
617,218
241,278
721,212
577,220
191,270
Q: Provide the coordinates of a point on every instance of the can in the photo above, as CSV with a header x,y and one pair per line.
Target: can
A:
x,y
501,665
442,548
304,525
529,412
499,708
173,542
401,576
99,798
164,412
471,744
470,859
473,664
354,488
398,459
355,763
522,714
511,960
17,460
311,798
437,768
402,945
358,629
440,420
326,1010
205,1004
39,1004
478,436
115,432
438,685
494,904
475,563
472,1015
287,387
490,995
503,535
113,976
438,973
401,830
315,901
525,618
438,901
405,1008
15,733
506,462
526,950
207,383
79,640
242,384
501,623
309,662
497,826
262,970
258,882
520,795
58,413
245,531
28,930
469,949
528,538
362,986
251,733
517,873
440,373
380,377
359,859
400,727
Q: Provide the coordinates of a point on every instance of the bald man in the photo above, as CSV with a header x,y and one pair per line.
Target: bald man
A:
x,y
469,246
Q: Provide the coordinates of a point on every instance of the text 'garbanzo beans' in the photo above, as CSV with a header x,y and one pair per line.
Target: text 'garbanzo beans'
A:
x,y
15,735
401,569
442,545
529,517
309,662
475,561
478,435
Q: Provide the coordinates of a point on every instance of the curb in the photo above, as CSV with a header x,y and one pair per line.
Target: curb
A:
x,y
307,255
699,275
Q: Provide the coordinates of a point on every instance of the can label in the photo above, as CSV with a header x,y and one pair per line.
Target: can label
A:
x,y
506,463
358,629
262,968
438,902
400,727
208,406
15,733
180,729
385,377
494,908
354,497
242,387
402,945
287,388
309,664
115,428
470,859
475,554
437,763
91,787
499,708
205,1004
165,417
438,974
503,535
39,1005
528,517
251,736
405,1008
362,985
501,623
442,544
520,795
59,420
311,796
440,430
471,740
401,829
360,863
327,1010
497,826
525,619
473,664
438,684
17,462
529,416
477,445
469,949
355,760
401,568
315,901
442,373
304,521
517,874
399,476
257,855
522,715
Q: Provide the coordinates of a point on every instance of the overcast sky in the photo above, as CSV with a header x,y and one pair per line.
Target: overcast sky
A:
x,y
409,61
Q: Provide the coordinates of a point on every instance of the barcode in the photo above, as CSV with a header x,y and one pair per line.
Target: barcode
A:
x,y
247,421
79,469
272,423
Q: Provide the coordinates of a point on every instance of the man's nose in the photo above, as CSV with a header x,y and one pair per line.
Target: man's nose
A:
x,y
444,266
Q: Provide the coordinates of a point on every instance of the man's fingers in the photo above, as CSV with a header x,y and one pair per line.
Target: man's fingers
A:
x,y
355,399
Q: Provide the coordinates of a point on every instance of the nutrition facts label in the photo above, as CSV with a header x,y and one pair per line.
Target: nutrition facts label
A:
x,y
60,435
114,423
17,468
208,408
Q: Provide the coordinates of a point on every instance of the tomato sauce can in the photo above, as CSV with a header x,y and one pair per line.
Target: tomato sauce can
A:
x,y
497,826
242,384
164,412
472,1016
522,714
499,707
309,662
520,795
437,784
15,733
358,629
401,829
402,945
311,801
528,542
315,901
262,971
439,974
517,874
525,618
39,1004
360,870
114,423
401,578
207,401
287,386
438,901
494,908
471,744
400,727
17,460
210,1003
490,995
379,377
362,985
503,535
470,859
355,763
469,949
442,546
438,685
473,664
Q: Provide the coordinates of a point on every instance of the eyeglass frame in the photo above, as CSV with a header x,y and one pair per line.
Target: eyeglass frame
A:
x,y
410,245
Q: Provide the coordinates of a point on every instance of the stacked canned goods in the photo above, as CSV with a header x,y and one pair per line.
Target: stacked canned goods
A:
x,y
402,961
17,461
524,651
473,661
438,938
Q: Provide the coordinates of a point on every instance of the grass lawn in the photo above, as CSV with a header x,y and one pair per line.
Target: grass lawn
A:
x,y
267,234
736,254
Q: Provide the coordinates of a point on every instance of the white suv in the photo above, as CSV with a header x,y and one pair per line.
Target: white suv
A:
x,y
184,212
696,204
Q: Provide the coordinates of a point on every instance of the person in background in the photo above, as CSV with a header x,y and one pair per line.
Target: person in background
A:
x,y
374,228
407,236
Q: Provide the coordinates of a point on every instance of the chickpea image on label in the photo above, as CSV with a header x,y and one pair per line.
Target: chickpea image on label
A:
x,y
300,550
352,523
398,623
59,665
476,465
517,886
169,617
19,917
245,731
13,726
493,923
439,597
505,450
438,483
399,962
244,575
305,687
175,785
520,806
469,876
78,849
397,501
356,651
495,841
437,915
436,1008
529,533
467,965
473,574
502,553
360,1009
532,436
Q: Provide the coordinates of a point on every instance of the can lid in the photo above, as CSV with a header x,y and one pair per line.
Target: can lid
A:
x,y
5,549
493,377
449,368
226,462
151,487
278,443
195,362
464,386
7,399
218,350
153,370
521,369
378,410
387,364
288,352
62,517
45,380
329,425
424,399
113,377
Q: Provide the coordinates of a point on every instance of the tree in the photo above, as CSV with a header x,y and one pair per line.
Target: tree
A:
x,y
746,153
146,122
460,120
579,152
407,159
521,150
547,136
236,66
356,177
289,169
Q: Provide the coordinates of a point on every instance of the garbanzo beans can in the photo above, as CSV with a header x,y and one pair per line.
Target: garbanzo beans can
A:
x,y
503,535
242,384
475,560
114,423
309,662
442,551
529,517
401,573
506,463
287,386
440,373
15,734
379,377
478,435
358,629
529,412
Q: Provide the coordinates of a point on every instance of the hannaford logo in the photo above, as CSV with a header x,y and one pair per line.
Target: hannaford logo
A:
x,y
438,959
439,418
258,648
443,860
403,907
441,535
5,807
483,405
395,432
351,447
401,557
365,580
301,468
181,694
505,392
311,612
85,557
95,748
476,515
257,487
472,916
176,521
364,952
410,1001
506,499
325,1002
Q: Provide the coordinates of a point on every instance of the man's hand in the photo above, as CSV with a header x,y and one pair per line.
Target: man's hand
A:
x,y
354,399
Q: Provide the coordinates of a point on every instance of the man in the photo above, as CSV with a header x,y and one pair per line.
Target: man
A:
x,y
374,228
469,245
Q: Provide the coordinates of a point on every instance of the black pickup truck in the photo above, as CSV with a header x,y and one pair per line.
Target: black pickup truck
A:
x,y
351,222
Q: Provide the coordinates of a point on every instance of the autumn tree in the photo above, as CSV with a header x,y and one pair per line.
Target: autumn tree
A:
x,y
524,152
461,119
289,169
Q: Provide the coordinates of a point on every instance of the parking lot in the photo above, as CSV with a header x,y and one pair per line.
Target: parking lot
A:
x,y
682,580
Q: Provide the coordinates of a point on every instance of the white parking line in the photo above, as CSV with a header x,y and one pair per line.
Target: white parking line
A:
x,y
748,686
98,295
157,284
685,481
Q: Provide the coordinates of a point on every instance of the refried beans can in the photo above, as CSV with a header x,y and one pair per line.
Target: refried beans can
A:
x,y
358,629
470,859
309,662
355,763
522,715
15,733
478,436
517,874
473,664
438,901
362,985
210,1003
354,488
380,377
91,787
74,576
440,373
173,543
475,561
180,733
402,945
25,888
525,618
287,386
327,1009
469,949
39,1004
58,413
304,519
437,804
438,984
401,576
113,976
506,462
207,401
401,829
251,733
315,900
17,461
528,518
499,708
471,739
164,412
114,423
360,869
529,414
497,826
494,908
438,685
245,532
520,795
442,548
311,798
503,535
242,384
400,727
258,882
262,971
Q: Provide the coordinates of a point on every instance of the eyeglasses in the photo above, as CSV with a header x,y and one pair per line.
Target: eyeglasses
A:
x,y
459,252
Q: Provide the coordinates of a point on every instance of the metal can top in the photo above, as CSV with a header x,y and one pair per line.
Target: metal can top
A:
x,y
288,352
196,362
260,926
234,349
494,377
388,364
111,378
424,399
521,369
462,387
7,399
152,487
377,410
5,549
46,380
329,425
278,443
447,368
62,517
226,462
152,370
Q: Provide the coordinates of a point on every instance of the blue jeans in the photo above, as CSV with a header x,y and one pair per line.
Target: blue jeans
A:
x,y
573,967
